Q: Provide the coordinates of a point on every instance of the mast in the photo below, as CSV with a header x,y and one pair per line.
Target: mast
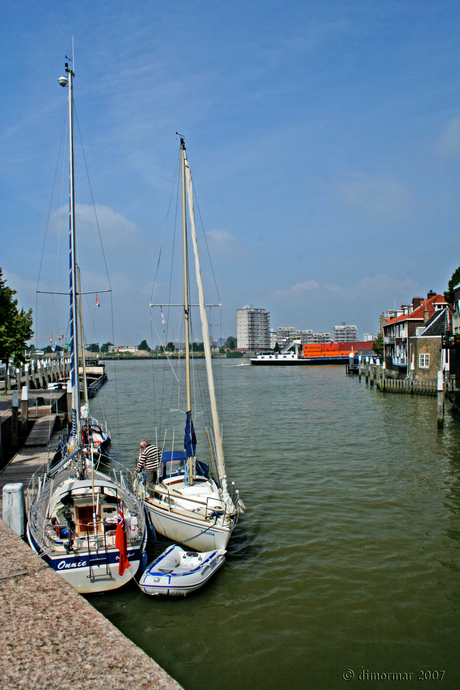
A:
x,y
188,385
186,295
206,344
83,361
74,380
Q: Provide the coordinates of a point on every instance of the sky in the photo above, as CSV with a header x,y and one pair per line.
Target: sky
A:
x,y
323,139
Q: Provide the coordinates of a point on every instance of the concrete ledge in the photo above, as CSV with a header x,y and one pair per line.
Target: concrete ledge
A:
x,y
53,638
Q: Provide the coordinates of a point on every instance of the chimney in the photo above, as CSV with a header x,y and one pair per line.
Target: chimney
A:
x,y
431,294
416,302
426,313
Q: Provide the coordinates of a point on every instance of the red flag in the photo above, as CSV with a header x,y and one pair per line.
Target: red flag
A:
x,y
120,541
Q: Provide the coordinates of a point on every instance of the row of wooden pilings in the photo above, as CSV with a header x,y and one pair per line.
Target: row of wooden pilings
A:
x,y
375,373
37,374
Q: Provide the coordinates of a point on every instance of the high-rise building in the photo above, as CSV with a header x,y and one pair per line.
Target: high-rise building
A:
x,y
252,328
345,333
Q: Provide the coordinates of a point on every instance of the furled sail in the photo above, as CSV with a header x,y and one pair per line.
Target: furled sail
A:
x,y
207,347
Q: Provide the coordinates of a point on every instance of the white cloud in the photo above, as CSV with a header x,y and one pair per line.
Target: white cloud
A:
x,y
372,289
378,197
297,291
224,245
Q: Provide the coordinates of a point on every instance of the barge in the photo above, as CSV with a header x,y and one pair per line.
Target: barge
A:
x,y
313,353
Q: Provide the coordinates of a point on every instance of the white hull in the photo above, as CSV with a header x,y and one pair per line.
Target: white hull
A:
x,y
177,572
201,535
71,524
99,578
194,515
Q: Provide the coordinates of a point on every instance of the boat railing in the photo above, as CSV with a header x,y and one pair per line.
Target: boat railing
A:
x,y
96,534
96,556
175,497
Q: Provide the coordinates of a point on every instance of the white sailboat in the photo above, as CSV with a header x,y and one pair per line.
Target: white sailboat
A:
x,y
188,505
88,526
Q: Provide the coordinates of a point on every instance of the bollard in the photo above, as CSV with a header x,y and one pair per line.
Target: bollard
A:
x,y
13,507
24,411
14,410
440,400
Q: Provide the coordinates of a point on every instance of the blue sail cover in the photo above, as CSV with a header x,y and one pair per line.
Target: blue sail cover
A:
x,y
189,437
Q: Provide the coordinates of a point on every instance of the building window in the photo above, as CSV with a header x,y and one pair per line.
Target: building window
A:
x,y
424,361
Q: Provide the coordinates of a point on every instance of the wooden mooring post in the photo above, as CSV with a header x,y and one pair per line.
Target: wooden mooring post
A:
x,y
440,396
15,415
24,411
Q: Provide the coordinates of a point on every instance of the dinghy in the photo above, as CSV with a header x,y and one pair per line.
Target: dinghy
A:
x,y
177,572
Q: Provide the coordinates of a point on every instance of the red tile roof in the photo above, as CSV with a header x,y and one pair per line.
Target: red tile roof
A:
x,y
417,314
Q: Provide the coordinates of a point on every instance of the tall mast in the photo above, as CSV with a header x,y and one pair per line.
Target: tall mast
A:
x,y
186,295
206,341
74,380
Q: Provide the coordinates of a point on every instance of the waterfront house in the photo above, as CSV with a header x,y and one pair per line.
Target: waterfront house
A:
x,y
426,354
398,331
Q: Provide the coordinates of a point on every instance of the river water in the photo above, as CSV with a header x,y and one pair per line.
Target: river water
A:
x,y
344,569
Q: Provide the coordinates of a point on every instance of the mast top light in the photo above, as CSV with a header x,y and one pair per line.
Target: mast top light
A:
x,y
63,81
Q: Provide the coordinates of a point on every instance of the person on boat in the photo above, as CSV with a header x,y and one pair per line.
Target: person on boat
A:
x,y
150,461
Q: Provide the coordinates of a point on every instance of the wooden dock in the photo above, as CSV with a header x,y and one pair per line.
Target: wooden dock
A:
x,y
35,453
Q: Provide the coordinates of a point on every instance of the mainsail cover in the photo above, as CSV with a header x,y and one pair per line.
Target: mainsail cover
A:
x,y
189,437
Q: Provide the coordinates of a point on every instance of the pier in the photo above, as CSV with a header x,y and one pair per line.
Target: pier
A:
x,y
52,637
375,374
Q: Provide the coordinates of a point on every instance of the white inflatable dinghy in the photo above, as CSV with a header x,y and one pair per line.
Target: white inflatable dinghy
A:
x,y
177,572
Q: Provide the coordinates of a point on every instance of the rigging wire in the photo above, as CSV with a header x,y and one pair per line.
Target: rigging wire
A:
x,y
47,227
105,264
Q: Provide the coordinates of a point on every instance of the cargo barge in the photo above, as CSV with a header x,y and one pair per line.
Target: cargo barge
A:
x,y
313,353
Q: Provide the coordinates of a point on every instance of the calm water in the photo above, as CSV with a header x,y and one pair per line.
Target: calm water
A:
x,y
347,558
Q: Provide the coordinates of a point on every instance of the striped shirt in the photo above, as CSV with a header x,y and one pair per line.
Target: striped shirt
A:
x,y
149,459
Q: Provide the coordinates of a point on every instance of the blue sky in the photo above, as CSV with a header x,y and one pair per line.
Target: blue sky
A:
x,y
323,137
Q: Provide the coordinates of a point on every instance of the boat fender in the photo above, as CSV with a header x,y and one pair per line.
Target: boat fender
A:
x,y
131,526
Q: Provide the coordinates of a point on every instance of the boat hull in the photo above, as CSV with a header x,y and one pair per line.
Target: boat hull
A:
x,y
75,568
178,573
299,361
201,535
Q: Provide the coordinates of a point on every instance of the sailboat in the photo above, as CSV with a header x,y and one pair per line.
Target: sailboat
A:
x,y
190,503
88,526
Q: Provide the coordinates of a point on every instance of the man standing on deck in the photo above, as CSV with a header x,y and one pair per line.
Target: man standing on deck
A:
x,y
150,461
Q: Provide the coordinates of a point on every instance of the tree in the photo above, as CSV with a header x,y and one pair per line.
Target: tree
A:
x,y
144,346
377,344
105,347
94,347
170,347
15,325
453,283
231,343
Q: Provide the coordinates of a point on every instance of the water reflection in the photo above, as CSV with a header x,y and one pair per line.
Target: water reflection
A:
x,y
347,555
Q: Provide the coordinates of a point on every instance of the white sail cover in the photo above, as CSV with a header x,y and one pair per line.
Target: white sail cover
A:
x,y
207,347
